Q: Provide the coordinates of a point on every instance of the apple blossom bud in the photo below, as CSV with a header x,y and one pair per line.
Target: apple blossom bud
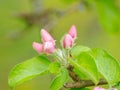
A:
x,y
98,88
73,32
48,47
68,41
46,36
38,47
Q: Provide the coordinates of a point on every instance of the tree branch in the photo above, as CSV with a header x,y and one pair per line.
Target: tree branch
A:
x,y
72,74
83,83
78,82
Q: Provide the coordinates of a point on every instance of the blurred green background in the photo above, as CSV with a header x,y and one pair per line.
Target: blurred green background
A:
x,y
97,22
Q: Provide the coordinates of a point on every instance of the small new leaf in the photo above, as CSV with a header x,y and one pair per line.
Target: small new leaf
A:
x,y
60,80
79,49
54,67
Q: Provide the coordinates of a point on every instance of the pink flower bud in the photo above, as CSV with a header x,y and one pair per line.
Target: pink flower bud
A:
x,y
68,41
49,47
38,47
46,36
73,32
98,88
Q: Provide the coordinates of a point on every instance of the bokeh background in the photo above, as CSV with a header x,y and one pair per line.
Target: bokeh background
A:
x,y
97,22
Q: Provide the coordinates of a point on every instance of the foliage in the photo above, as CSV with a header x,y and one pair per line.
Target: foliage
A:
x,y
28,70
83,64
92,64
16,36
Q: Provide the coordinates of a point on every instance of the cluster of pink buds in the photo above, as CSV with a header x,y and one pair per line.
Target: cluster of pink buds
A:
x,y
69,38
48,43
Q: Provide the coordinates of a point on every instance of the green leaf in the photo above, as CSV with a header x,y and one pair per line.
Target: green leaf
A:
x,y
117,85
59,80
54,67
86,65
79,89
28,70
75,51
108,15
107,66
80,74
